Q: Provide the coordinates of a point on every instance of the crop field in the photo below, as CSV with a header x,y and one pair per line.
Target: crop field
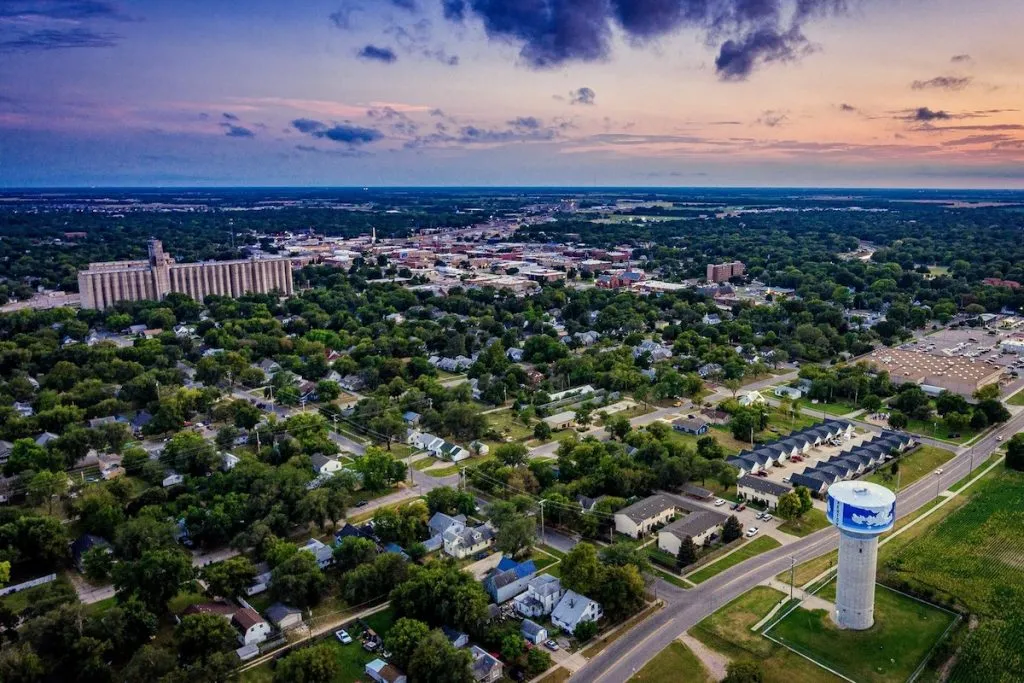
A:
x,y
975,559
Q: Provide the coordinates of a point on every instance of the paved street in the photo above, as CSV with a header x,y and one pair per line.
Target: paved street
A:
x,y
684,609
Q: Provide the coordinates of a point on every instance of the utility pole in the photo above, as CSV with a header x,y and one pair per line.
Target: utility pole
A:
x,y
543,535
792,574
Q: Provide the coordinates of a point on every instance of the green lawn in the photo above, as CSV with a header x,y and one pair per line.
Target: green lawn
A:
x,y
1017,399
424,463
833,408
728,631
674,664
920,462
748,550
812,521
506,423
904,633
937,429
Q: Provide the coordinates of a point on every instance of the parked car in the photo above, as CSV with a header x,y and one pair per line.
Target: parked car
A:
x,y
938,471
551,645
719,503
734,506
752,531
785,480
741,508
762,473
767,517
343,636
360,504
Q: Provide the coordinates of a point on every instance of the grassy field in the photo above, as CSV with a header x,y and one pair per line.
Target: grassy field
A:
x,y
559,675
746,551
1017,399
833,408
728,632
922,461
904,633
674,664
812,521
424,463
937,429
507,424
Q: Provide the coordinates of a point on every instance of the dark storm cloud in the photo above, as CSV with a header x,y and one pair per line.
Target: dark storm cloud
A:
x,y
582,96
344,133
233,131
550,33
942,83
57,39
372,53
922,114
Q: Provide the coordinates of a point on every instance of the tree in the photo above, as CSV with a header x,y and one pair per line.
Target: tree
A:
x,y
542,431
450,501
806,501
189,452
226,436
618,426
379,469
20,664
989,392
198,636
231,577
154,578
402,640
585,630
440,594
353,552
581,569
687,554
789,506
744,672
731,530
511,454
537,662
898,420
516,535
316,664
437,661
327,390
620,591
1015,453
45,486
297,580
512,647
150,663
97,563
733,385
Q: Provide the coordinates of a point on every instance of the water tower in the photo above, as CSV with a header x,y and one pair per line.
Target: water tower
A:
x,y
861,511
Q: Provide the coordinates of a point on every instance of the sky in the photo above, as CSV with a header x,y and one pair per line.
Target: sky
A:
x,y
791,93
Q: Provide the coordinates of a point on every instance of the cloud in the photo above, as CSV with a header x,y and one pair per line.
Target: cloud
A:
x,y
408,5
520,129
582,96
961,59
229,117
990,138
344,133
526,122
57,39
62,10
550,33
233,131
942,83
922,114
772,118
372,53
847,107
415,39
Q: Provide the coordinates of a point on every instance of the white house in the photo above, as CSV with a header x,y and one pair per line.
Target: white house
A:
x,y
228,461
533,632
461,541
788,392
253,627
561,420
172,479
323,553
752,398
699,525
284,617
642,516
486,668
573,609
323,465
542,594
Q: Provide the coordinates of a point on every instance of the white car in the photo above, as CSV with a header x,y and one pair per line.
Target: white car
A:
x,y
938,472
343,636
719,503
999,438
767,517
785,480
752,532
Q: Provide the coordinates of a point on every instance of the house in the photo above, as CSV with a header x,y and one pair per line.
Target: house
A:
x,y
23,409
560,421
542,594
410,418
283,616
269,367
322,552
382,672
700,493
45,438
85,543
711,319
573,609
479,447
5,451
486,667
228,461
509,579
709,369
761,490
352,383
323,465
791,393
253,627
461,541
532,632
172,479
261,582
715,417
458,639
579,392
219,608
700,526
752,398
98,422
247,652
641,517
424,441
654,349
515,355
348,531
396,549
452,452
691,425
141,419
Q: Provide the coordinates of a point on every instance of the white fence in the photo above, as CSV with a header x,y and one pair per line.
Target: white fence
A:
x,y
28,584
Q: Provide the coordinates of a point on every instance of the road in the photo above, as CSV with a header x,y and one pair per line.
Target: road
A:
x,y
685,608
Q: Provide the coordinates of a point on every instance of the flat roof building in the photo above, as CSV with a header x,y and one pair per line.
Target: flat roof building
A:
x,y
957,374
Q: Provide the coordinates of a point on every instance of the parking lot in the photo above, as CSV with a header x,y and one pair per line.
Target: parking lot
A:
x,y
782,471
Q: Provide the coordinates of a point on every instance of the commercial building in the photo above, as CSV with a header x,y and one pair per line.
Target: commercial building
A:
x,y
957,374
104,284
722,272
